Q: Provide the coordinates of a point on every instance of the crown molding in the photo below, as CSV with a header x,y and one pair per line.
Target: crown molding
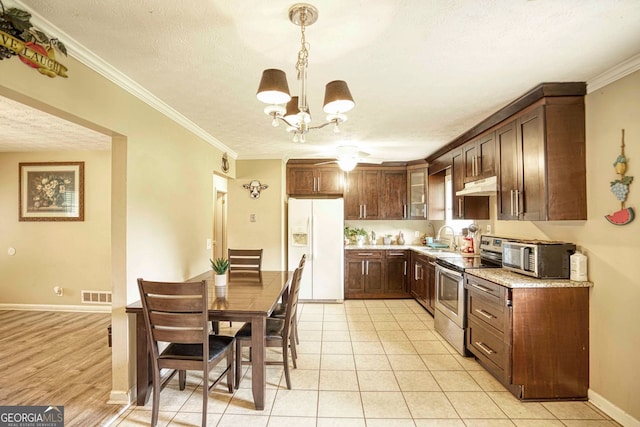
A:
x,y
97,64
621,70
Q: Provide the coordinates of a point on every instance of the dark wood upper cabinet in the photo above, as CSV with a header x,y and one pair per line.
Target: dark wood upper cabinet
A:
x,y
465,207
393,200
417,192
479,157
376,193
312,180
542,163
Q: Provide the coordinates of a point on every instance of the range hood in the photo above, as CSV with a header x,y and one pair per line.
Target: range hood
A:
x,y
481,187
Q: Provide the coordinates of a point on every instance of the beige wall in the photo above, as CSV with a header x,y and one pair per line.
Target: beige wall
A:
x,y
613,251
72,255
162,187
268,231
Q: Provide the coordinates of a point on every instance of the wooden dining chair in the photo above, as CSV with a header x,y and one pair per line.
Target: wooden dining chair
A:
x,y
280,311
279,333
244,263
177,314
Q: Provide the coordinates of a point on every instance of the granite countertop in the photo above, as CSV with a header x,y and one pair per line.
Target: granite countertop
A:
x,y
438,253
512,279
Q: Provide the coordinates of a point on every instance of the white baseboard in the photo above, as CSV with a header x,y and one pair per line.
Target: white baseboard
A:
x,y
51,307
612,410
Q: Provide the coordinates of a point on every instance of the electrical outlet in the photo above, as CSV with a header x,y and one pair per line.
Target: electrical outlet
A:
x,y
488,228
209,243
252,218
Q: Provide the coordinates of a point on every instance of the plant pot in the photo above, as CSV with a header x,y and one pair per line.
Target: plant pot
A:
x,y
220,279
386,240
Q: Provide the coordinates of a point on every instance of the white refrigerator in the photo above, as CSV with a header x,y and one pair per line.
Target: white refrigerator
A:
x,y
316,228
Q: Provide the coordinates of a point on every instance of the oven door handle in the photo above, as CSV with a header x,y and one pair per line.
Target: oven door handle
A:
x,y
447,272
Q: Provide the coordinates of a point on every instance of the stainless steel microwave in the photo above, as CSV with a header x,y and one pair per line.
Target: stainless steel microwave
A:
x,y
544,260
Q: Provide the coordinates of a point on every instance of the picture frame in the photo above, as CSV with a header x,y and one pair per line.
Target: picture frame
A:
x,y
51,191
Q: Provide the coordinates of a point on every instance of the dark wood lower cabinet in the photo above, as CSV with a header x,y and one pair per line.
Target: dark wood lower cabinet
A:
x,y
423,280
535,341
376,274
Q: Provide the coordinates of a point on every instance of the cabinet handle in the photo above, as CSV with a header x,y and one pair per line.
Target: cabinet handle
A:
x,y
460,207
404,211
511,192
485,314
405,268
396,254
360,214
484,347
424,212
365,253
365,211
362,267
482,288
432,263
415,272
315,184
518,203
318,184
367,267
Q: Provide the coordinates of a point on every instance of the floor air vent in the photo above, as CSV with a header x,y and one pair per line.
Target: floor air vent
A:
x,y
96,297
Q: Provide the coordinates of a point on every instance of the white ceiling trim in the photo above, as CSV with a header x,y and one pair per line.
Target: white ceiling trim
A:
x,y
621,70
88,58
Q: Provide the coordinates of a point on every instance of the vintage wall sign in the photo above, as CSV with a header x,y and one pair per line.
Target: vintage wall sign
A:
x,y
18,37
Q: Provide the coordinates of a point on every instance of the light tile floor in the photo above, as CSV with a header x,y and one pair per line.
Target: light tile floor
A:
x,y
373,363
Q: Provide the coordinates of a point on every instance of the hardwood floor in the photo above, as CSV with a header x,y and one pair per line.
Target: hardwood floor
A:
x,y
55,358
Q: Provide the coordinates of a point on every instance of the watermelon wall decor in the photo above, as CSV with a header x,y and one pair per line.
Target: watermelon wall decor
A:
x,y
622,217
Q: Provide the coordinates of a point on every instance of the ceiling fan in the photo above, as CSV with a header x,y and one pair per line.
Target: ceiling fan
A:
x,y
348,156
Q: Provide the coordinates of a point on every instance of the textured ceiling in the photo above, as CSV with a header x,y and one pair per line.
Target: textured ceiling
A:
x,y
421,71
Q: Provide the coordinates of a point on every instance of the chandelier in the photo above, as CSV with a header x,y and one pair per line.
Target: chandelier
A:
x,y
294,110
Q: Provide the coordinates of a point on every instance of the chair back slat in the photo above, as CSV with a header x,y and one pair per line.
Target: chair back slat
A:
x,y
180,336
172,304
245,262
175,320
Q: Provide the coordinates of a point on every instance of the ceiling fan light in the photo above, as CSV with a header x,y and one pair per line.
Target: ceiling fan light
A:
x,y
337,98
273,88
347,164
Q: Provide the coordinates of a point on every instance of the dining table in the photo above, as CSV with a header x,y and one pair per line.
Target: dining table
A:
x,y
243,299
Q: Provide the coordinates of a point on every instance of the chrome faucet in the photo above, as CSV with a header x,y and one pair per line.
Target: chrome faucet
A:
x,y
453,235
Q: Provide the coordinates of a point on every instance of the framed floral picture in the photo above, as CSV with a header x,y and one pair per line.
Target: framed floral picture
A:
x,y
52,191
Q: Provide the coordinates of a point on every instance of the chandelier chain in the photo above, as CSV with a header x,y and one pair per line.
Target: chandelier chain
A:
x,y
303,54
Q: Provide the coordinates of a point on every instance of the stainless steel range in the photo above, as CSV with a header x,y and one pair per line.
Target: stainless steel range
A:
x,y
450,313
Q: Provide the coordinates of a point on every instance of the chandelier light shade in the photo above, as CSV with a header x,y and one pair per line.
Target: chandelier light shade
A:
x,y
337,98
273,87
274,91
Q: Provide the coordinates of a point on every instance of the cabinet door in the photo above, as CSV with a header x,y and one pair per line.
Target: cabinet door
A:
x,y
329,181
353,276
352,206
396,272
394,194
417,193
370,194
457,181
374,278
531,200
418,282
486,163
507,153
300,181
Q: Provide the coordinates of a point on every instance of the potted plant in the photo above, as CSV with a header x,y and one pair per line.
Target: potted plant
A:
x,y
355,234
220,267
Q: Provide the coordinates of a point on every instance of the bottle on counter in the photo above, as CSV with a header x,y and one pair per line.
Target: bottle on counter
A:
x,y
373,237
400,238
578,262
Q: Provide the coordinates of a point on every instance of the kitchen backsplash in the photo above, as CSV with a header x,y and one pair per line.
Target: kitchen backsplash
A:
x,y
413,231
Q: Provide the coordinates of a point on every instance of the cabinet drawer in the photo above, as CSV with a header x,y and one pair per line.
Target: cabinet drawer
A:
x,y
487,311
354,253
491,291
489,347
